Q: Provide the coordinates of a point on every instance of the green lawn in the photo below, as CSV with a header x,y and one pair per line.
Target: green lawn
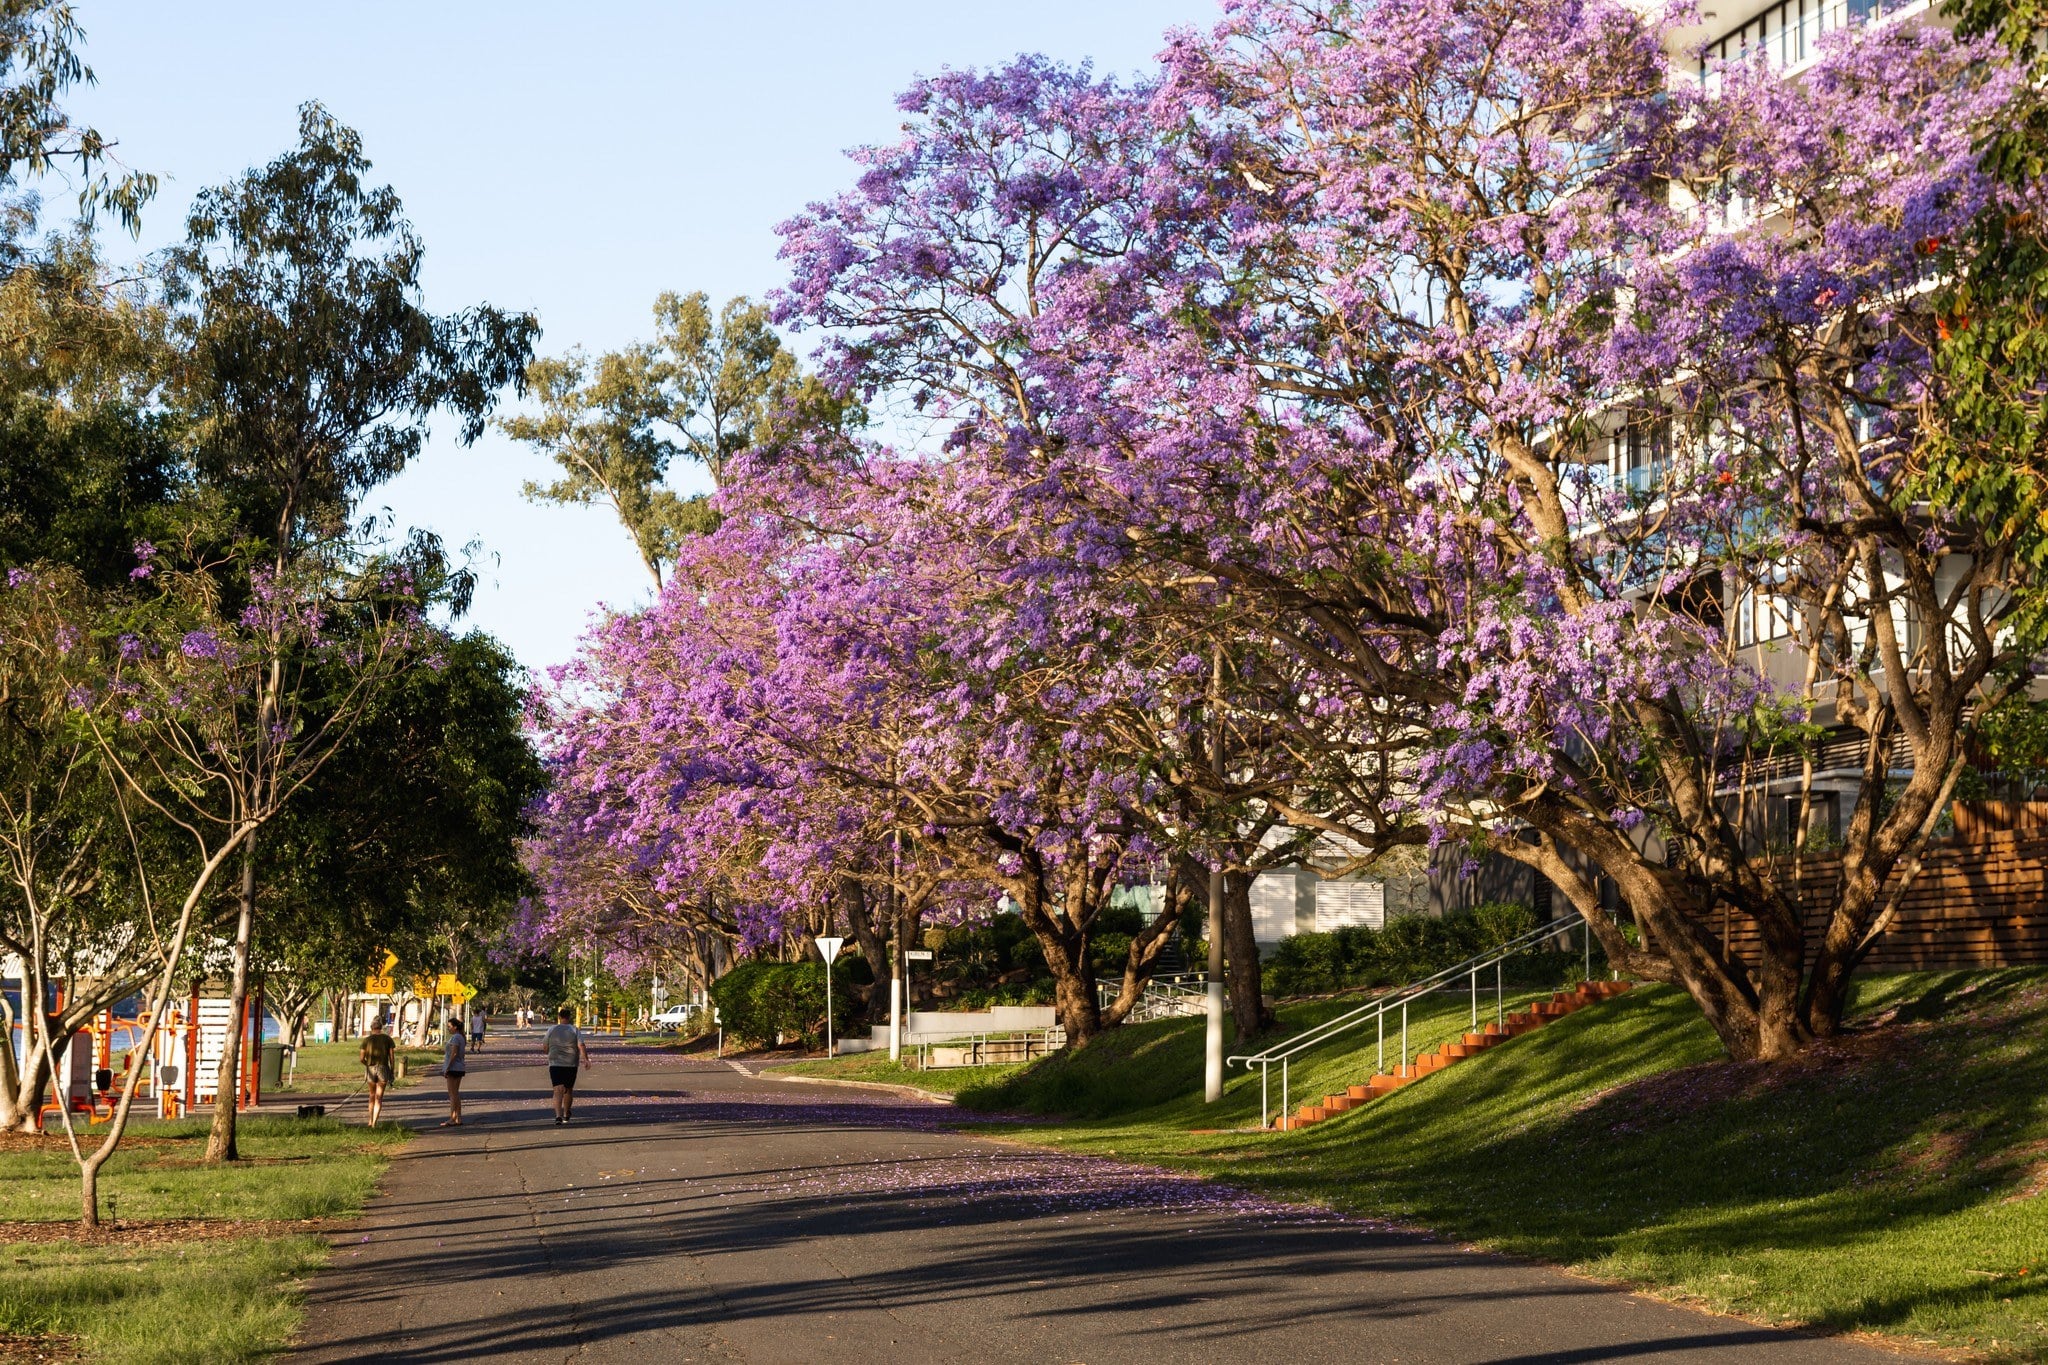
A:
x,y
875,1067
216,1301
324,1068
230,1299
1144,1066
1889,1183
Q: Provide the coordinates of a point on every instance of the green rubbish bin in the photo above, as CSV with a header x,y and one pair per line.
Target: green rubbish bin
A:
x,y
270,1067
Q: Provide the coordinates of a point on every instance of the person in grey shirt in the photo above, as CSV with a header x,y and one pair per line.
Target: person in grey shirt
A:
x,y
566,1052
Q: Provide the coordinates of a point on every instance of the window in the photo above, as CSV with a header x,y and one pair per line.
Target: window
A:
x,y
1789,32
1641,452
1763,614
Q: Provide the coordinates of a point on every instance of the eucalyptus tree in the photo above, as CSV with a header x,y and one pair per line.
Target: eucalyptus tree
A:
x,y
313,369
712,387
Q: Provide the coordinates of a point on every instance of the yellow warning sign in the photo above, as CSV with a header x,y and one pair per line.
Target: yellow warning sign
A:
x,y
377,985
446,984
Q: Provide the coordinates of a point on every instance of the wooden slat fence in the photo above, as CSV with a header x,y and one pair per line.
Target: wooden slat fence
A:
x,y
1978,902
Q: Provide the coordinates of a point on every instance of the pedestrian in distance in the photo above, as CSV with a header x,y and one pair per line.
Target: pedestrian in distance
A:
x,y
454,1065
566,1052
476,1028
377,1053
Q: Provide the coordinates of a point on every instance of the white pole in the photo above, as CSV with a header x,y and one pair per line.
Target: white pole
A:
x,y
828,1007
896,1008
1212,1053
1212,1057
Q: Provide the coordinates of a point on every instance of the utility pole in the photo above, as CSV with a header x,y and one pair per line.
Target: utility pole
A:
x,y
896,946
1212,1057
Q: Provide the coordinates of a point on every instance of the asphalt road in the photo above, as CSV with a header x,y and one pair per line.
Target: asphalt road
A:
x,y
691,1213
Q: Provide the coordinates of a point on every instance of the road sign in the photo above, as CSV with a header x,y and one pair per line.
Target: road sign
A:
x,y
465,994
829,947
390,961
918,955
377,985
446,984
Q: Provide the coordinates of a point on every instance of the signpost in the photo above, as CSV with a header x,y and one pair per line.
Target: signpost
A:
x,y
899,991
828,948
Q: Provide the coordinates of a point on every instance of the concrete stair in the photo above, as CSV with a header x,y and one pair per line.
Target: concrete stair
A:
x,y
1450,1054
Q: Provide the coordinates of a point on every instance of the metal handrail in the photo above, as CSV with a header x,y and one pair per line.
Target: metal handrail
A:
x,y
1376,1009
1172,990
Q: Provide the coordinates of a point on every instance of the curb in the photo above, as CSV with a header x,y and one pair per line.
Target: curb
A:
x,y
907,1091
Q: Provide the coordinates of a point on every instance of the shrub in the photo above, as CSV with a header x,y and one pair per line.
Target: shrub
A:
x,y
1107,953
1407,948
757,1000
1309,963
1498,922
1119,918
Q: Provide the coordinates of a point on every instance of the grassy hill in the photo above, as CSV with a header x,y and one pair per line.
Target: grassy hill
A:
x,y
1890,1182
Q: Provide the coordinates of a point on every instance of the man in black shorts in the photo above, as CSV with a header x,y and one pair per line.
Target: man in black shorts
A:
x,y
566,1052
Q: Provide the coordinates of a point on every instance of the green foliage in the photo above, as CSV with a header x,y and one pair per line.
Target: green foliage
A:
x,y
758,1000
1984,449
2015,737
312,368
412,828
1107,953
1120,917
1407,948
711,386
39,64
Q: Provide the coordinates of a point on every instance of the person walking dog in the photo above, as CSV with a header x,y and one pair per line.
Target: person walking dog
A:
x,y
376,1054
454,1065
566,1052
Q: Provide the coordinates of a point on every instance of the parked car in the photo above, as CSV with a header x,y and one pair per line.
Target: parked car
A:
x,y
674,1017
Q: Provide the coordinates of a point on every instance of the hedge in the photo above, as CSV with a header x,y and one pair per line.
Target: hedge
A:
x,y
1408,948
758,1000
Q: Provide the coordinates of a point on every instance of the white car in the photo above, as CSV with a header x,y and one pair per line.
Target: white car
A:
x,y
675,1016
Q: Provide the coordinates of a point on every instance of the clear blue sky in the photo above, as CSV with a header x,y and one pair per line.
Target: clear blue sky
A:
x,y
572,159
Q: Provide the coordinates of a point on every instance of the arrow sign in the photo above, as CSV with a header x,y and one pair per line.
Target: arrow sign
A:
x,y
829,948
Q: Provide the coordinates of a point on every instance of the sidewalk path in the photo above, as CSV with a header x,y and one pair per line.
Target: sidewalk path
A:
x,y
694,1214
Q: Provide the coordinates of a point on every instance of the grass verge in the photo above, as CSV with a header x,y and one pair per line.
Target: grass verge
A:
x,y
875,1068
1892,1181
136,1299
323,1068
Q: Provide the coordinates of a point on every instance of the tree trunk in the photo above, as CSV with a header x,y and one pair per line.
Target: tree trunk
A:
x,y
1241,958
853,903
1755,1016
220,1142
1074,999
1144,952
24,1099
89,1194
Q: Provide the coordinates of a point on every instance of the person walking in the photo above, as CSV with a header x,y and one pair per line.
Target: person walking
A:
x,y
566,1052
376,1054
454,1065
476,1027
